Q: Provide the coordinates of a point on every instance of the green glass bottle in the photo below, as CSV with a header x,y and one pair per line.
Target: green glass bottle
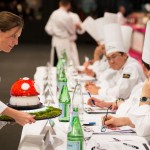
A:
x,y
64,104
75,137
60,64
61,80
65,56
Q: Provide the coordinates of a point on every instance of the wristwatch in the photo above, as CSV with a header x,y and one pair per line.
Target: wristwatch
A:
x,y
144,99
118,100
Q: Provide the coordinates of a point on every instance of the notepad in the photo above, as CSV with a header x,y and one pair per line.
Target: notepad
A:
x,y
97,110
97,130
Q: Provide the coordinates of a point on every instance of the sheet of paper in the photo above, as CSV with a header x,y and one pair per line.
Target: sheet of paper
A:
x,y
108,142
97,129
96,110
89,25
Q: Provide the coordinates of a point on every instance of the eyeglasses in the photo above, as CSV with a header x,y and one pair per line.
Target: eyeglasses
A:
x,y
113,57
103,128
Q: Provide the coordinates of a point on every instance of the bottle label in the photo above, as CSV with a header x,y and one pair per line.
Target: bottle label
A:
x,y
65,110
73,145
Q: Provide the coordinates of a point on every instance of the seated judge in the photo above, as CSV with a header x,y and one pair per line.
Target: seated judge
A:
x,y
128,71
138,117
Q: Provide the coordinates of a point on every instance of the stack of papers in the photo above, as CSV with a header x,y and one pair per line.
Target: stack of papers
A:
x,y
117,130
89,26
84,78
127,142
96,110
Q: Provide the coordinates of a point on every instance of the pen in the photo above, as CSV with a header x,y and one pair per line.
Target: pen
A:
x,y
133,146
145,145
93,102
116,139
89,123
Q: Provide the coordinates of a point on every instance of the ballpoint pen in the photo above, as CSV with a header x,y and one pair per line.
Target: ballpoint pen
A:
x,y
130,145
116,139
89,123
93,102
145,145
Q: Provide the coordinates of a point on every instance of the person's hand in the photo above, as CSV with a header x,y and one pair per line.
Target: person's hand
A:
x,y
112,121
98,102
114,106
78,26
23,118
92,88
87,63
89,72
89,83
99,51
20,117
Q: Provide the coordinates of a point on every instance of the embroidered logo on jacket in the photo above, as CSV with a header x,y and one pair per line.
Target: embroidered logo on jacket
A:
x,y
126,75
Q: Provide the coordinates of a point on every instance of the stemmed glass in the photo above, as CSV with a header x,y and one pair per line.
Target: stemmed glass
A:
x,y
77,100
88,132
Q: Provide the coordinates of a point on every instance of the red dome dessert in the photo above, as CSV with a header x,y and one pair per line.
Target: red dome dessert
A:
x,y
24,87
24,92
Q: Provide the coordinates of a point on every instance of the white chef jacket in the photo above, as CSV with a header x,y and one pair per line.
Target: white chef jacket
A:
x,y
140,117
119,86
60,26
131,103
73,37
2,108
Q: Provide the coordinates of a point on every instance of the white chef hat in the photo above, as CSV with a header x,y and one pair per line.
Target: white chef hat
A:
x,y
146,48
100,24
113,38
111,16
126,35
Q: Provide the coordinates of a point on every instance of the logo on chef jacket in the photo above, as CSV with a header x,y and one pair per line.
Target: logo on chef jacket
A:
x,y
126,76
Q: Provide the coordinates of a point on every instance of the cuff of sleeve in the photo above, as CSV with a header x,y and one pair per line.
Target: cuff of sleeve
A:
x,y
2,107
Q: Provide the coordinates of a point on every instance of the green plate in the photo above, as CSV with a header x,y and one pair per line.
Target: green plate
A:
x,y
47,113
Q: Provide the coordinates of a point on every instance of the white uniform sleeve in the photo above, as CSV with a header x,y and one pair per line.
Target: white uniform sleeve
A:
x,y
2,107
141,119
48,27
123,86
80,22
76,20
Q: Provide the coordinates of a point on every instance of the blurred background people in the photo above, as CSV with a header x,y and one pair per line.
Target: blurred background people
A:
x,y
62,26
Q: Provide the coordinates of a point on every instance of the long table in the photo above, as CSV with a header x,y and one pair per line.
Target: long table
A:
x,y
52,134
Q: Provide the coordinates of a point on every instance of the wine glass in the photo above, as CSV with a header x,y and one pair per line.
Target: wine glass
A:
x,y
77,100
88,132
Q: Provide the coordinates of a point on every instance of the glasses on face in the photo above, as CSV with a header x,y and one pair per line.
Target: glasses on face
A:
x,y
103,128
113,57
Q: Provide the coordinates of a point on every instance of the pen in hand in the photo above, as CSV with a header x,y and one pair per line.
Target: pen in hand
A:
x,y
93,102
